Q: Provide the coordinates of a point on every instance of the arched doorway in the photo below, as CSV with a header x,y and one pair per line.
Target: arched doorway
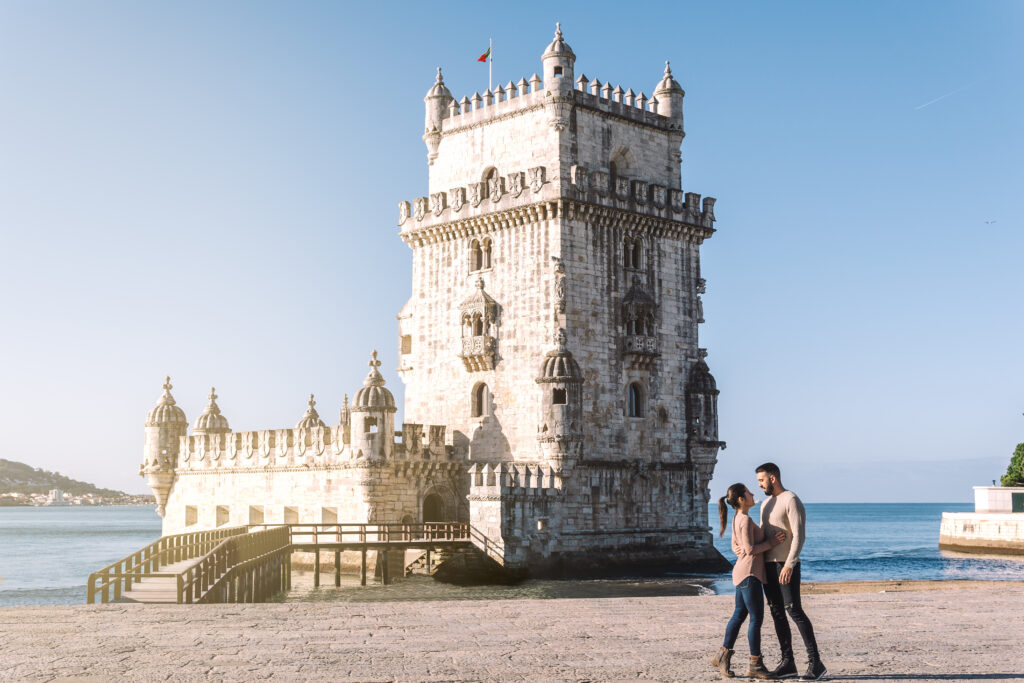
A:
x,y
433,508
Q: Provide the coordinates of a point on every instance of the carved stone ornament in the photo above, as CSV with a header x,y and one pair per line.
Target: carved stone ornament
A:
x,y
404,211
438,203
536,178
658,195
622,188
560,291
516,183
677,199
600,181
458,198
496,188
476,194
640,191
702,285
420,205
581,179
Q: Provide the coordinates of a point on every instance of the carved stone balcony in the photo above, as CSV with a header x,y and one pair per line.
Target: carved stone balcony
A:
x,y
478,352
641,350
642,344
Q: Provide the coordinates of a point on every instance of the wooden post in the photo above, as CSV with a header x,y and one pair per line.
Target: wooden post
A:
x,y
382,556
337,568
316,568
428,560
362,568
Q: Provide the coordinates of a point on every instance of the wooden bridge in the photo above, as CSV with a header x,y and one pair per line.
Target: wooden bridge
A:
x,y
253,563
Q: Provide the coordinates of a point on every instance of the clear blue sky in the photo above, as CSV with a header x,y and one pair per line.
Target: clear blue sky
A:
x,y
209,190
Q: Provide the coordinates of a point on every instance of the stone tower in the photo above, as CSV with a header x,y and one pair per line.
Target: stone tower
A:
x,y
553,322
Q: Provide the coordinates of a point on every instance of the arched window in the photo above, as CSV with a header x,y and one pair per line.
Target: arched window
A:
x,y
638,253
481,400
467,326
476,256
613,174
478,325
635,400
486,255
485,186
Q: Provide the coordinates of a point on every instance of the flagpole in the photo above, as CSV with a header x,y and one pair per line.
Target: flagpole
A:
x,y
490,65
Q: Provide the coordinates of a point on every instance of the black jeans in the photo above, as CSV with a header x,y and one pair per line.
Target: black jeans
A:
x,y
783,598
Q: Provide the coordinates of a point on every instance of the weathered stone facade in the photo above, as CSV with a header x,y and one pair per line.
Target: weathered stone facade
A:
x,y
552,330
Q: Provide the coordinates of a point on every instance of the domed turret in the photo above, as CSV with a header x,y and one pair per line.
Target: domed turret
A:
x,y
165,425
437,100
311,418
211,421
372,416
702,403
670,97
166,411
559,365
558,61
374,395
560,434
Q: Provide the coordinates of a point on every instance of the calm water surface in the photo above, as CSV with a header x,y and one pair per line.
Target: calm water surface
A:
x,y
48,553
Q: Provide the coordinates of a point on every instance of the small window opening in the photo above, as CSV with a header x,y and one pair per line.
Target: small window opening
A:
x,y
370,425
476,257
223,515
558,397
406,343
255,514
486,256
191,515
635,407
481,398
478,326
637,254
558,72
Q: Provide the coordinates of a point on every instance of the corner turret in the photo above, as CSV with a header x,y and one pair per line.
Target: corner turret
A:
x,y
165,425
373,416
670,95
561,430
558,61
438,100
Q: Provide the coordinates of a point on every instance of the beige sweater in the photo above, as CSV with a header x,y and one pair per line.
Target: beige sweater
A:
x,y
784,512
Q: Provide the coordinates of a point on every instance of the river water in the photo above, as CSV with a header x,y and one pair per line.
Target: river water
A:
x,y
48,553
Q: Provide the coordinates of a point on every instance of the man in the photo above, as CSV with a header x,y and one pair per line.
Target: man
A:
x,y
783,511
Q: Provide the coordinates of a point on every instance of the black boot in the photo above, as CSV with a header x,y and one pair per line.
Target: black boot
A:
x,y
815,670
786,668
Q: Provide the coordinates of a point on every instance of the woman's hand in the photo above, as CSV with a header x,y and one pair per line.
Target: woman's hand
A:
x,y
779,538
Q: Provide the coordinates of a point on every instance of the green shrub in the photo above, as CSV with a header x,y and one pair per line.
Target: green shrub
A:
x,y
1015,472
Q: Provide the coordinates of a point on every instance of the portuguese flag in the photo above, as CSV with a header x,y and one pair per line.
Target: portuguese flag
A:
x,y
485,56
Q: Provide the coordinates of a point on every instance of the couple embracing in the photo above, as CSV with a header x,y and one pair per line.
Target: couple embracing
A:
x,y
768,559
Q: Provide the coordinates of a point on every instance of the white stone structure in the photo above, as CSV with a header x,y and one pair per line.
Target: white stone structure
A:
x,y
996,525
552,330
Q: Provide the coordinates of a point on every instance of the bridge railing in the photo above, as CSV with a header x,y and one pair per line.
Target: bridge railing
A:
x,y
490,547
212,578
114,579
363,534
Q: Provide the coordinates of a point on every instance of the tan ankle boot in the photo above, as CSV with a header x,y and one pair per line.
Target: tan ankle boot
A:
x,y
757,670
722,660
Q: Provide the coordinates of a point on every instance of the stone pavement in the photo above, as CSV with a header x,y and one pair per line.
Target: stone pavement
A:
x,y
970,634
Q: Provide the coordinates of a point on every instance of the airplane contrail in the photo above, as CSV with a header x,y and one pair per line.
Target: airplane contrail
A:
x,y
942,97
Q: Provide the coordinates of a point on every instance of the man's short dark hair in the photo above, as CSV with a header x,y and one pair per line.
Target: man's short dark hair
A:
x,y
771,469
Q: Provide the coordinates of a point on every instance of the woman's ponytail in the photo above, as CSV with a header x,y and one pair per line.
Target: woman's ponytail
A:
x,y
723,514
731,498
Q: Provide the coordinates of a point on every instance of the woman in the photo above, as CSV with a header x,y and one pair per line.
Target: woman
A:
x,y
749,544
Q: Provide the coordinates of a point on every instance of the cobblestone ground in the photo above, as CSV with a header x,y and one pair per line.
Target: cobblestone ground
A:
x,y
940,635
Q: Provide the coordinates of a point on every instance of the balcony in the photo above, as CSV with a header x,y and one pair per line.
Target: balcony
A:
x,y
478,352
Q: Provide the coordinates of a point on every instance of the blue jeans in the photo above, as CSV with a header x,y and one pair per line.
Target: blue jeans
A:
x,y
749,600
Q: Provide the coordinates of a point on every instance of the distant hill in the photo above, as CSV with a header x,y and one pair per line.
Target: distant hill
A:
x,y
17,477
